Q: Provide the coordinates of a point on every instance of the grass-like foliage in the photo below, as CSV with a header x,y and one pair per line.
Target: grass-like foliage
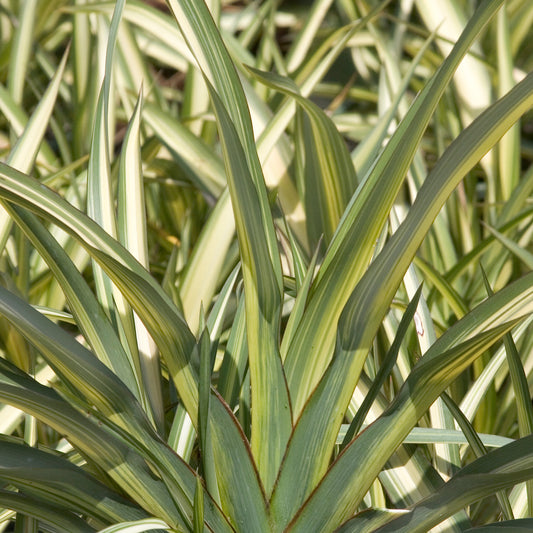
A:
x,y
266,266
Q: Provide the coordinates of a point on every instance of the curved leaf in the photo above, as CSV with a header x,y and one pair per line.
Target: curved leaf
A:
x,y
148,299
328,172
59,482
371,298
358,466
102,447
261,265
497,470
352,247
51,518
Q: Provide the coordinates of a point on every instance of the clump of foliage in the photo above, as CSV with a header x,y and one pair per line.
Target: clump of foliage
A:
x,y
265,266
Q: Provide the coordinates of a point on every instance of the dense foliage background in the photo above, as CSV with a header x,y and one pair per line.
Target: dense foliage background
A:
x,y
265,265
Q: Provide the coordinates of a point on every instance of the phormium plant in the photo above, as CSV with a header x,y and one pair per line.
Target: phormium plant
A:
x,y
265,268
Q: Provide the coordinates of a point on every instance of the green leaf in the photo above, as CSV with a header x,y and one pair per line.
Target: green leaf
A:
x,y
149,301
357,467
61,483
51,517
351,249
235,362
198,524
83,371
384,371
509,146
367,151
257,240
100,199
309,75
133,235
204,429
90,317
299,304
271,421
327,167
101,207
73,362
315,433
497,470
241,491
520,389
21,49
180,481
215,320
101,446
305,37
443,287
157,25
263,307
478,446
488,242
